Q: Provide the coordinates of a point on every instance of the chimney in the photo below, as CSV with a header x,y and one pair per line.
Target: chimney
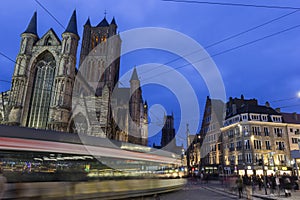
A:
x,y
267,104
295,116
233,109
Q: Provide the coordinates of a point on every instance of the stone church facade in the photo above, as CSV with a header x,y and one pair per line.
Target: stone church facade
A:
x,y
48,92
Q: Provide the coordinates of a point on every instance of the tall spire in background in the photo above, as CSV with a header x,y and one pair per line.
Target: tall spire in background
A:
x,y
32,26
134,75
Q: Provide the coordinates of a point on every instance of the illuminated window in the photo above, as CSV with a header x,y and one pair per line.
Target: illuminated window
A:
x,y
103,39
42,91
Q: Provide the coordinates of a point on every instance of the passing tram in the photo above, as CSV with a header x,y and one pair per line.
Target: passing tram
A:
x,y
104,167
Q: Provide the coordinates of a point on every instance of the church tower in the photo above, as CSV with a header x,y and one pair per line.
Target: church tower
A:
x,y
135,104
168,131
100,52
100,65
20,76
44,72
61,102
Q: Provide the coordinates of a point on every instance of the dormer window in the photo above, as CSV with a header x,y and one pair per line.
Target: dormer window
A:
x,y
244,117
276,119
264,118
254,117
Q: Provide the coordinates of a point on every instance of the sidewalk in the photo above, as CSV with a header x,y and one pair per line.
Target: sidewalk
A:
x,y
216,185
261,193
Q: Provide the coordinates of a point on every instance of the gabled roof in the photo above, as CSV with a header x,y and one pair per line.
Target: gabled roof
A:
x,y
103,23
72,26
32,26
53,35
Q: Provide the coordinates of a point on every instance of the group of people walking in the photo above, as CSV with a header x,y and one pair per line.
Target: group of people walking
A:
x,y
274,183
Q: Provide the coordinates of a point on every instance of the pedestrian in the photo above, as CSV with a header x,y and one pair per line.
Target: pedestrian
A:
x,y
239,185
259,181
248,186
277,181
201,177
287,186
272,183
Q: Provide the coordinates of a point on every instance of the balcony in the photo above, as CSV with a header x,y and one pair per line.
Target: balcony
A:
x,y
231,149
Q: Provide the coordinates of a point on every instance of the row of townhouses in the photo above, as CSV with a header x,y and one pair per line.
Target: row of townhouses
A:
x,y
245,137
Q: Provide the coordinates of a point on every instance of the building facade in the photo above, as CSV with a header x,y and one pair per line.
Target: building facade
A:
x,y
254,139
292,121
48,92
207,145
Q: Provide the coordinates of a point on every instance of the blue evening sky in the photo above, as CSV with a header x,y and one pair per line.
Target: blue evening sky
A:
x,y
267,70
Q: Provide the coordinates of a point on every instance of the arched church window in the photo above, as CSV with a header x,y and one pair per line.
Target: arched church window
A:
x,y
48,41
42,90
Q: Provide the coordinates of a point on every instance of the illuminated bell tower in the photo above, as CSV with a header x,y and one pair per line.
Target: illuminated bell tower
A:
x,y
106,58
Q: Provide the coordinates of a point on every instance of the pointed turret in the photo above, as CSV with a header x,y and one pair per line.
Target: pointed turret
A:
x,y
72,26
87,23
134,75
113,21
113,27
103,23
32,26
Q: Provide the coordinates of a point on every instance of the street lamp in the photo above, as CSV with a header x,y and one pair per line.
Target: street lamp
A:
x,y
265,174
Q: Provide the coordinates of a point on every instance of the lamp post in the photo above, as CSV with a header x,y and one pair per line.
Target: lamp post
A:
x,y
265,175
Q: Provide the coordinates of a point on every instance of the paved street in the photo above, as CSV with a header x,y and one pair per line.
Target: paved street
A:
x,y
195,192
216,191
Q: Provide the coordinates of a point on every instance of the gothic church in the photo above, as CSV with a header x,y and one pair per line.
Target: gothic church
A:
x,y
46,79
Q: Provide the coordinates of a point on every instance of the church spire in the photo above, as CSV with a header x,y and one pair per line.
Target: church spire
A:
x,y
87,23
113,21
32,26
72,26
134,75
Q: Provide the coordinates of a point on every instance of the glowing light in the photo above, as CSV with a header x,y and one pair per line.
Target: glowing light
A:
x,y
298,94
